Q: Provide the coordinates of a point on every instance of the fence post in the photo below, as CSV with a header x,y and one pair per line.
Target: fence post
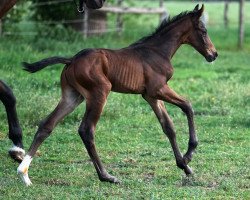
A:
x,y
226,13
85,22
161,5
241,24
119,21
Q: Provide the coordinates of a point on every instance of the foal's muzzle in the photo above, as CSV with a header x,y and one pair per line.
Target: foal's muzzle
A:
x,y
211,57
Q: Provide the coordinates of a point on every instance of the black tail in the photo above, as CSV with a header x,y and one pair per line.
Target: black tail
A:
x,y
36,66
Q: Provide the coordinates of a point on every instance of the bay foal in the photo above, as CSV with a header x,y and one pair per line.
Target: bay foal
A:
x,y
143,68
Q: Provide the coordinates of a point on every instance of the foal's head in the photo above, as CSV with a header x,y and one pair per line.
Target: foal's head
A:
x,y
198,36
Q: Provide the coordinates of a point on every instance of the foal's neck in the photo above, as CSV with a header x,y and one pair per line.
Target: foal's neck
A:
x,y
173,37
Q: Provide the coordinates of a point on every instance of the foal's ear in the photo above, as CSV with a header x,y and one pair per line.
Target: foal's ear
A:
x,y
196,8
200,12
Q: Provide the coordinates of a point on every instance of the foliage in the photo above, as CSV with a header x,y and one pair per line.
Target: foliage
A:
x,y
21,12
58,32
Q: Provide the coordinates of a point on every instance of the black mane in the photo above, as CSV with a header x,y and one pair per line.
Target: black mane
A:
x,y
164,24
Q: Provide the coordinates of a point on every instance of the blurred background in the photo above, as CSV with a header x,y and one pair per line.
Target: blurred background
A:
x,y
59,19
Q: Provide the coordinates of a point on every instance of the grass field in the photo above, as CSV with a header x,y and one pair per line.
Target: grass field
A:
x,y
128,136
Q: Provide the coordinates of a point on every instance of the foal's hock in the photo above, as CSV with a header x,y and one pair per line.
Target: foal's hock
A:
x,y
143,68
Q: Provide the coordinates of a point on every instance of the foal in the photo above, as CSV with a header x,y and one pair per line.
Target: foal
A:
x,y
15,131
143,68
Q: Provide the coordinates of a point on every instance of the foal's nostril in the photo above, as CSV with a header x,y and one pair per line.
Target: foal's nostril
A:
x,y
216,54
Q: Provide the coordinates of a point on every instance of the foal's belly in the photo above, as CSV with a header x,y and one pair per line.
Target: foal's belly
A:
x,y
128,90
129,79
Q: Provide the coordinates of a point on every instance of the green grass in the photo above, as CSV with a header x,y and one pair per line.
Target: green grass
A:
x,y
128,136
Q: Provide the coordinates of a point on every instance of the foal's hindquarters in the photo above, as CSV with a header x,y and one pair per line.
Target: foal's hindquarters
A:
x,y
75,88
15,132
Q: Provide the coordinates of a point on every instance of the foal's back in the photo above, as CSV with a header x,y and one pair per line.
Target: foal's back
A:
x,y
122,68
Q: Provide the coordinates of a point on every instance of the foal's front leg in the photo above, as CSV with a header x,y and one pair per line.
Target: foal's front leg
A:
x,y
168,95
168,128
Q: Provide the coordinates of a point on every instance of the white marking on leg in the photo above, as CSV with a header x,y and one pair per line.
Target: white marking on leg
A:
x,y
17,149
23,168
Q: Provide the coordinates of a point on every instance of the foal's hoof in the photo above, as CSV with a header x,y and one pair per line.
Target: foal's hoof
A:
x,y
17,153
109,178
25,177
188,171
23,168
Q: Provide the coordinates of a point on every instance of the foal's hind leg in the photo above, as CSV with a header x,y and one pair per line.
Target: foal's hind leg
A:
x,y
168,128
15,131
70,99
92,114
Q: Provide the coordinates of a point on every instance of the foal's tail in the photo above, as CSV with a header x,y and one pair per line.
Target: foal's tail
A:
x,y
36,66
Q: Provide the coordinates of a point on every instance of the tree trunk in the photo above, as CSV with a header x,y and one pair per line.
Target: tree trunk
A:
x,y
97,22
226,14
241,24
86,23
119,21
1,30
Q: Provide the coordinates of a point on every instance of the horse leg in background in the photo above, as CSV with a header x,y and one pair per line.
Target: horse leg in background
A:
x,y
69,101
91,4
168,95
168,128
15,131
94,107
5,5
94,4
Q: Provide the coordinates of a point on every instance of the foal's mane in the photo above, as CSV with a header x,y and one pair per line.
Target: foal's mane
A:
x,y
164,26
